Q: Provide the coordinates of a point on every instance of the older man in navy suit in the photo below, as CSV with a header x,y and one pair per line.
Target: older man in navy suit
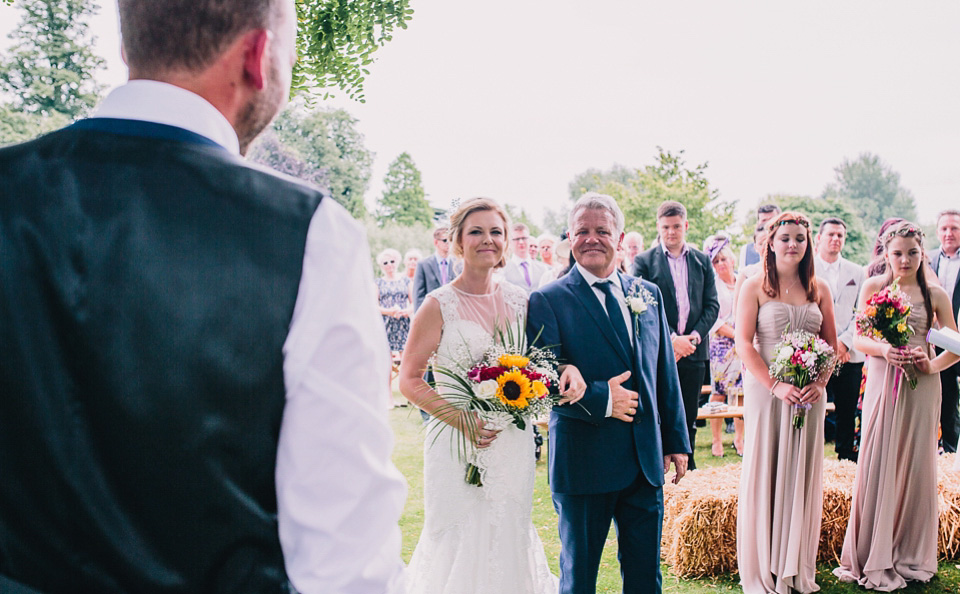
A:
x,y
610,451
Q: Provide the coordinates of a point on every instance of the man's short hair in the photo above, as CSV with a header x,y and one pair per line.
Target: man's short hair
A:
x,y
832,221
671,208
440,233
767,209
169,35
596,201
947,212
519,228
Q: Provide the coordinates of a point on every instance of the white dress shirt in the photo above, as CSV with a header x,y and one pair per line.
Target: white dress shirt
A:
x,y
947,270
339,496
614,280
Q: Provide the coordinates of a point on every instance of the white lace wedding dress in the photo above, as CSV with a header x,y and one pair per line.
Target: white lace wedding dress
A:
x,y
478,540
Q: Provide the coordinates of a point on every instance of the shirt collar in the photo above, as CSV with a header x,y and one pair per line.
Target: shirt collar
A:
x,y
163,103
683,252
593,279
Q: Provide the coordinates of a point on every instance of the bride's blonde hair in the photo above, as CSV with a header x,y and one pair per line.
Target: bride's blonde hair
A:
x,y
467,208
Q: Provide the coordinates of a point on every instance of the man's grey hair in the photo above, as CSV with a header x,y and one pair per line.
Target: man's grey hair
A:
x,y
597,201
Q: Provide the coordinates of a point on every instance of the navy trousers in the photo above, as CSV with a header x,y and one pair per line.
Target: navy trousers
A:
x,y
637,513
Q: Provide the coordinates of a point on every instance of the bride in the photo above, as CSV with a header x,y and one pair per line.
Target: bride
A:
x,y
475,539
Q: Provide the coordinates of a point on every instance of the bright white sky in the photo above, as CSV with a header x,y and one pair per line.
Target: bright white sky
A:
x,y
511,99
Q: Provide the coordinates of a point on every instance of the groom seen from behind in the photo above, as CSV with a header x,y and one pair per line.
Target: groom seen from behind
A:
x,y
193,369
608,457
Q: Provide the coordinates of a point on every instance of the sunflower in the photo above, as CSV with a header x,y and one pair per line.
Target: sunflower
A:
x,y
513,389
518,361
539,389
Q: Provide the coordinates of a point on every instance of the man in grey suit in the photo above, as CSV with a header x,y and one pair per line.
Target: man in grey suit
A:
x,y
435,270
945,261
845,279
521,270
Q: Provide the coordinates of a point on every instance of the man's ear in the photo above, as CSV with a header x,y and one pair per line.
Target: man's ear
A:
x,y
255,57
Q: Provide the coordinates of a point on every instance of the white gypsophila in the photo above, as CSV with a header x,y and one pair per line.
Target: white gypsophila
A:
x,y
487,390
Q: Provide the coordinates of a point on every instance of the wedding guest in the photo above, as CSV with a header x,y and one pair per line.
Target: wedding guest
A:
x,y
745,272
845,280
892,533
520,269
685,277
633,245
547,243
750,253
945,262
435,270
725,365
193,366
533,248
561,263
393,297
781,495
410,260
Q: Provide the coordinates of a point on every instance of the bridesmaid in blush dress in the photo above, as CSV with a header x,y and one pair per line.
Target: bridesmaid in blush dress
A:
x,y
781,496
892,533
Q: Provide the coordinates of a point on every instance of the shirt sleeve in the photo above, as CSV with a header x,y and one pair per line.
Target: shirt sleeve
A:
x,y
339,496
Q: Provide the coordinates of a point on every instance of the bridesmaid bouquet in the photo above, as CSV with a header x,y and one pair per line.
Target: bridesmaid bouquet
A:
x,y
885,318
801,359
514,382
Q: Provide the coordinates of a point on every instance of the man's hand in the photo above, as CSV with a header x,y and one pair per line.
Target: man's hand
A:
x,y
624,400
679,463
843,355
682,347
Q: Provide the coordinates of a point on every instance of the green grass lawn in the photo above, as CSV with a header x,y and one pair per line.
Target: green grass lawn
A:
x,y
408,456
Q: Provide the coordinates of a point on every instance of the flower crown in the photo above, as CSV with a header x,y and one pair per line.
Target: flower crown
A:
x,y
802,222
903,230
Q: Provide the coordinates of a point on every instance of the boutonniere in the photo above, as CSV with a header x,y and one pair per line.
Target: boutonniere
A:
x,y
639,298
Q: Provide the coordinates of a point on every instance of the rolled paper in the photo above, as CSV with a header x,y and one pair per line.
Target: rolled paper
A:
x,y
945,338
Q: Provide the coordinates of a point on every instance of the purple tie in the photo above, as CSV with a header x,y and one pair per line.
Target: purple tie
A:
x,y
526,272
443,272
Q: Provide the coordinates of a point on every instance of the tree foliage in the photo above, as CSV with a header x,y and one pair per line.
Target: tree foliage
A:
x,y
872,190
337,38
859,240
519,215
19,126
398,237
327,141
50,67
640,193
555,219
270,151
403,200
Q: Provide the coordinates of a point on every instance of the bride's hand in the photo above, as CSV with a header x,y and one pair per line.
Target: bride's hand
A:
x,y
476,432
572,385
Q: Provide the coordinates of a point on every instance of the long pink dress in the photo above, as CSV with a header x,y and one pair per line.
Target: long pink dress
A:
x,y
892,534
780,504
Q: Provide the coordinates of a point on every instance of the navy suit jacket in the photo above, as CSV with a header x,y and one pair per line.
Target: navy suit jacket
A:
x,y
589,452
652,265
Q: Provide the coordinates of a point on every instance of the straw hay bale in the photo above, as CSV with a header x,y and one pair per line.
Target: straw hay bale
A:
x,y
948,505
700,522
838,478
700,516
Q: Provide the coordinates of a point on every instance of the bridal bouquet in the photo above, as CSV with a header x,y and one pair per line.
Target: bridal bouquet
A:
x,y
885,318
801,359
513,382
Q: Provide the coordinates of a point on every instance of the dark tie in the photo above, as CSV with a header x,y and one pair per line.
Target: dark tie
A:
x,y
615,314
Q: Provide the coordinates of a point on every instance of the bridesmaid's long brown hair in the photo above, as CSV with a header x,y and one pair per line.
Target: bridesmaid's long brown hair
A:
x,y
771,282
912,230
